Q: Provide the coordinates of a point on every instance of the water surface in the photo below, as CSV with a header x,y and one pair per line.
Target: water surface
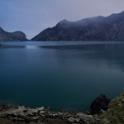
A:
x,y
61,75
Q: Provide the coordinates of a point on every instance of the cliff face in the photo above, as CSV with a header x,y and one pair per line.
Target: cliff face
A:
x,y
97,29
14,36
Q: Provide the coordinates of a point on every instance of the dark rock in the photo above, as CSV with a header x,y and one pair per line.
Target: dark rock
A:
x,y
99,104
21,114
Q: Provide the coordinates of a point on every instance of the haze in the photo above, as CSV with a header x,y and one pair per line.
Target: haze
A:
x,y
32,16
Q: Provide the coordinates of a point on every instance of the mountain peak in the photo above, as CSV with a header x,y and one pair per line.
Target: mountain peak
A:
x,y
98,28
64,21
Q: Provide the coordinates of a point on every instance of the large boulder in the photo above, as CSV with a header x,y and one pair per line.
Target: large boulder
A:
x,y
99,104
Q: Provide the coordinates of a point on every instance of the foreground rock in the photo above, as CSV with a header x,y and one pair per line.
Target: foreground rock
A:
x,y
100,104
24,115
115,112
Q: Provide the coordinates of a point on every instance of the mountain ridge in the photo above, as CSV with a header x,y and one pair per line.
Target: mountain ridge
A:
x,y
98,28
12,36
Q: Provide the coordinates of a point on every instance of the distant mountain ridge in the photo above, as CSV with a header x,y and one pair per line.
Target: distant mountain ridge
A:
x,y
12,36
99,28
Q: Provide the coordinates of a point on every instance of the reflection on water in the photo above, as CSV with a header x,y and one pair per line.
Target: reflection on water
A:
x,y
31,47
61,76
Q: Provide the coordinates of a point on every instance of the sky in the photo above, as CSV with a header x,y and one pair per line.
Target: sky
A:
x,y
33,16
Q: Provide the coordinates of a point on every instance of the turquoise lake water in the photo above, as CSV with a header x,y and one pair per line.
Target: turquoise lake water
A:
x,y
60,75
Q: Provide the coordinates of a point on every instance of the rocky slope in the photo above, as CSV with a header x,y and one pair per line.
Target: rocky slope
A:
x,y
115,112
14,36
90,29
23,115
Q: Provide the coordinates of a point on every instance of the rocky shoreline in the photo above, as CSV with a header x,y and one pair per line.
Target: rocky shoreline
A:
x,y
10,114
41,115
